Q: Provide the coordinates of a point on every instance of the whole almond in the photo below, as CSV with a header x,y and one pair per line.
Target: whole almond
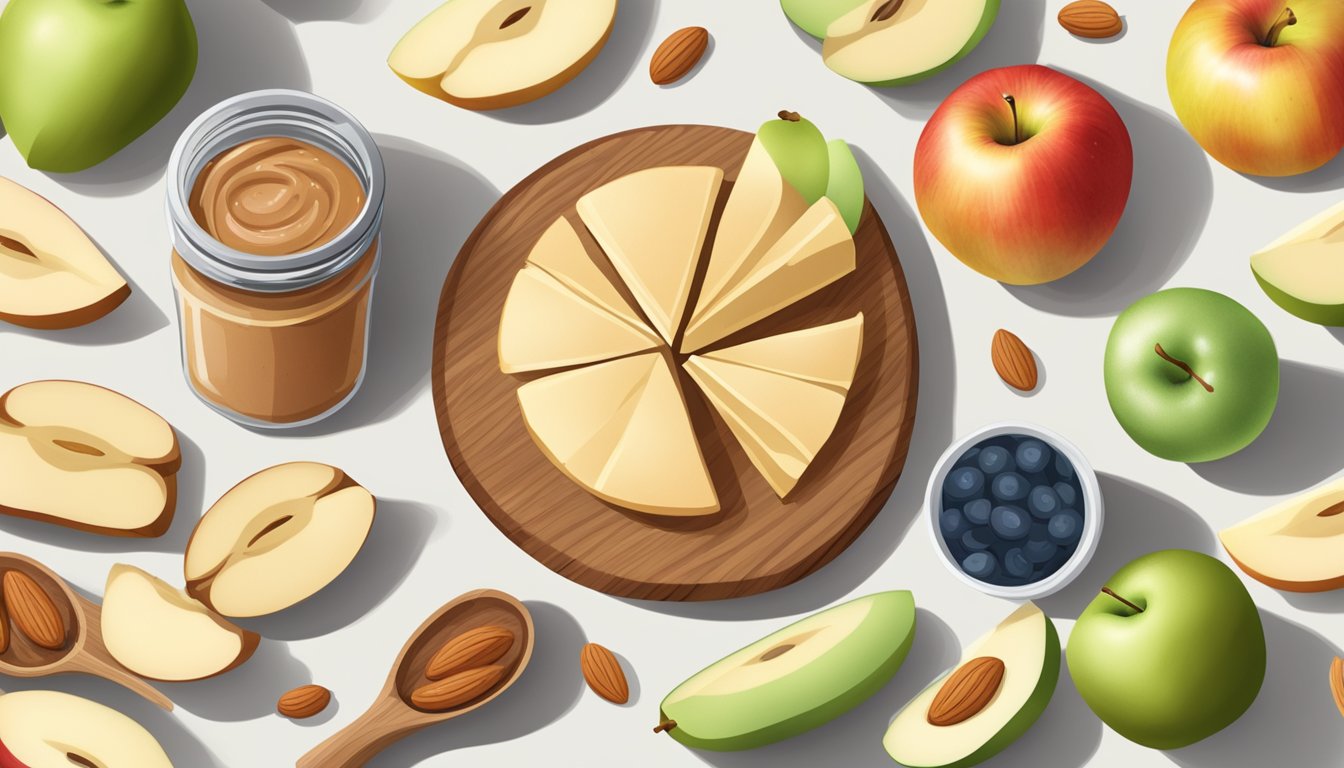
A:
x,y
678,55
473,648
603,673
1337,682
1013,361
1091,18
458,689
967,691
304,701
33,612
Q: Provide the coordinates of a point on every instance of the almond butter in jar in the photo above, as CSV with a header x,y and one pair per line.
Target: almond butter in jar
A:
x,y
275,199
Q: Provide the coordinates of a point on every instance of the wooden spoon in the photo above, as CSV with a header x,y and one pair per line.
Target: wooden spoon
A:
x,y
83,651
392,716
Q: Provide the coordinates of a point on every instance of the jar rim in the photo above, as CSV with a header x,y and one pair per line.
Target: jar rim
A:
x,y
269,113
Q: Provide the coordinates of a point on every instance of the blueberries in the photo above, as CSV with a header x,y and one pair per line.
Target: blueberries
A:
x,y
968,458
952,522
1039,551
1043,502
1067,495
980,565
1010,486
977,511
964,483
1010,523
1065,527
1063,467
977,539
1016,564
1032,455
995,459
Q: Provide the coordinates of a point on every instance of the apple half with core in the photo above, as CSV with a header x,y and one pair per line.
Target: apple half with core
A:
x,y
1258,83
1191,374
1023,173
1171,651
794,680
49,729
1296,545
1303,271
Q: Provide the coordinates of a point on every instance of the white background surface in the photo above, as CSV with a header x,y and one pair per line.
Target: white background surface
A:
x,y
1189,222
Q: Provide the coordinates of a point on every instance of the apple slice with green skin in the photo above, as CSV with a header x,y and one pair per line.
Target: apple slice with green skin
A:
x,y
795,679
815,16
48,729
1303,271
160,633
845,185
1026,647
799,151
896,42
1172,650
51,274
1294,545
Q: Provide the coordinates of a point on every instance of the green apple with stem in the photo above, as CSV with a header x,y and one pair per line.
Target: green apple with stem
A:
x,y
1171,651
81,79
1191,374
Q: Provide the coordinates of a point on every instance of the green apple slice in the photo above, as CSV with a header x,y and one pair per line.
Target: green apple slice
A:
x,y
895,42
1303,271
815,16
845,186
1028,647
795,679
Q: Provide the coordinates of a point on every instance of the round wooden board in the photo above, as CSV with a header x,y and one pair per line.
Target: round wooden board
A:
x,y
756,542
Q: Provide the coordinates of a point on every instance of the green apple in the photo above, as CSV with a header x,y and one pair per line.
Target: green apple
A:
x,y
799,151
81,79
1191,375
1303,271
794,680
1026,649
1171,651
845,185
891,42
815,16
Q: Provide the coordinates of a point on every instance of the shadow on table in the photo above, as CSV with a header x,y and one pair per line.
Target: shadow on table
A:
x,y
245,693
1328,177
355,11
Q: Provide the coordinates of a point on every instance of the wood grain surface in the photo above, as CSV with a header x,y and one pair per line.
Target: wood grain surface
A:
x,y
756,542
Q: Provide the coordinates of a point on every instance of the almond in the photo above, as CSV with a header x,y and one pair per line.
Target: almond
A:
x,y
678,55
473,648
967,691
304,701
1337,682
604,674
33,612
1091,18
458,689
1013,361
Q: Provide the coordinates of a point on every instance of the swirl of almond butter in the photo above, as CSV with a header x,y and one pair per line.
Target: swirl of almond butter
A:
x,y
276,196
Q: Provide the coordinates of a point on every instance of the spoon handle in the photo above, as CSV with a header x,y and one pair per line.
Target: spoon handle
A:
x,y
357,743
83,662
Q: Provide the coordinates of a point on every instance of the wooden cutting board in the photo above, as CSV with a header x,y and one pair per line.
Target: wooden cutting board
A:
x,y
756,542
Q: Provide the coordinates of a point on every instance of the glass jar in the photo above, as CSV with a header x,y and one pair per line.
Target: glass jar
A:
x,y
274,340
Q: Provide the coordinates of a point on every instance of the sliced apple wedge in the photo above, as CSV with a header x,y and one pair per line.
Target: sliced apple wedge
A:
x,y
1296,545
160,633
49,729
51,274
652,226
1303,271
890,42
277,538
489,54
815,252
85,457
561,254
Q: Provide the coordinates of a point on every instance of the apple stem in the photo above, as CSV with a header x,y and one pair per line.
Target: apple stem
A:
x,y
1109,591
887,10
1286,19
666,725
792,117
1012,106
1184,366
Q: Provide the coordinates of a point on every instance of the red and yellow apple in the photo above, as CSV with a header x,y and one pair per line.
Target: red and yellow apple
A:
x,y
1260,83
1023,173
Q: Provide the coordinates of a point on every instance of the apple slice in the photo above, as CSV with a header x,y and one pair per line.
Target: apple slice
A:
x,y
1295,545
489,54
895,42
49,729
277,538
652,226
561,254
815,252
160,633
51,274
85,457
1303,271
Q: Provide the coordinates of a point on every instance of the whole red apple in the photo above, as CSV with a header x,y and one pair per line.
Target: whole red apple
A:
x,y
1260,83
1023,173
